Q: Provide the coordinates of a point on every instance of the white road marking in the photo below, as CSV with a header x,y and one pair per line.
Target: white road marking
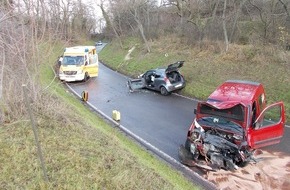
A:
x,y
144,142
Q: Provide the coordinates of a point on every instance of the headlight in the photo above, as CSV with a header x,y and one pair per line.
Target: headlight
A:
x,y
79,71
60,71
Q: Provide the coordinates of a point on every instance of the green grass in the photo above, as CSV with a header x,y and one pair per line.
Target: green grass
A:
x,y
81,150
209,66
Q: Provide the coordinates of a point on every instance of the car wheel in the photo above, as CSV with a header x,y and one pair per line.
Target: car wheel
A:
x,y
164,91
187,145
86,77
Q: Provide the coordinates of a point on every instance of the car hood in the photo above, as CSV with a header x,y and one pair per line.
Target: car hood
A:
x,y
174,66
222,105
71,67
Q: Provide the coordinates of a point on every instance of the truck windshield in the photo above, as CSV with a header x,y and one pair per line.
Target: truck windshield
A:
x,y
236,112
73,60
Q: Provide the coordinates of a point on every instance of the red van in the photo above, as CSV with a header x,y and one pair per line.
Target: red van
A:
x,y
232,123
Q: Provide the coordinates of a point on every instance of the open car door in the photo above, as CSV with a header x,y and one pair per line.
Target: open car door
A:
x,y
268,128
135,84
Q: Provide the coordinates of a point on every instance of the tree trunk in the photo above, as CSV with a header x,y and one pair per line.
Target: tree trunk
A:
x,y
110,24
224,26
236,19
141,30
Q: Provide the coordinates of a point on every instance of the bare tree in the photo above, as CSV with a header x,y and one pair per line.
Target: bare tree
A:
x,y
130,17
135,11
237,15
110,24
285,6
224,26
26,29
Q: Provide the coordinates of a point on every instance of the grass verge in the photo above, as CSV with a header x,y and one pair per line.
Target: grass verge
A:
x,y
81,150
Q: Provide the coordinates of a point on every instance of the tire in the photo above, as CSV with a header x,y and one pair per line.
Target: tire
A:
x,y
243,164
163,91
86,77
187,145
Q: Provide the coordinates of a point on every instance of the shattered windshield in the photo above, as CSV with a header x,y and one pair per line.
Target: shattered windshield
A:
x,y
73,60
220,123
236,112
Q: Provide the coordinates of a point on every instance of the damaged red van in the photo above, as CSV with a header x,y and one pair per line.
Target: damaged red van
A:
x,y
231,124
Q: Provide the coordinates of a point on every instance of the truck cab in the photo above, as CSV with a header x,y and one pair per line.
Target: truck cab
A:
x,y
233,122
79,63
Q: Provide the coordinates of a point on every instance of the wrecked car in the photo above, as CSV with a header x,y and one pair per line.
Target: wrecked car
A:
x,y
165,80
230,125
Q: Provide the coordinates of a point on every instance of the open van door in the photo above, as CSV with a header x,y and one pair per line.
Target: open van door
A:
x,y
92,66
268,129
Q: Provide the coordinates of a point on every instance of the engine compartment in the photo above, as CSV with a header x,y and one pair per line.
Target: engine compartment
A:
x,y
218,148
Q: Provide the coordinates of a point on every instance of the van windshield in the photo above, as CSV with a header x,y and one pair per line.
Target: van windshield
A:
x,y
236,112
73,60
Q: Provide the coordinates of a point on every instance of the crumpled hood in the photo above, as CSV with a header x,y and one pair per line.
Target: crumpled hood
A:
x,y
222,105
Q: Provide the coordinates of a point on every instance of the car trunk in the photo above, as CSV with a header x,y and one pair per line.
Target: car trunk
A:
x,y
174,77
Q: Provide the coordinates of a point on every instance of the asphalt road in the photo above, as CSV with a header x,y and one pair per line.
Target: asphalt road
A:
x,y
162,121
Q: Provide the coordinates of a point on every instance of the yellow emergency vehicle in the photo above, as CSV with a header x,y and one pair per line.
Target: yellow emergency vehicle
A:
x,y
79,63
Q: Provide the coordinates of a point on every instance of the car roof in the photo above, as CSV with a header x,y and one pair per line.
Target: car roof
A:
x,y
235,91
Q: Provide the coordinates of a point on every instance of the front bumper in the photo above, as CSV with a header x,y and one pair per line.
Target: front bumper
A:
x,y
71,78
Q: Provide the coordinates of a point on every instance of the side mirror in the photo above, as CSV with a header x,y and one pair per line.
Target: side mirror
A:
x,y
194,111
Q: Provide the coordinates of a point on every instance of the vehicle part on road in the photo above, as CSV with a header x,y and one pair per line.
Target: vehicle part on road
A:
x,y
165,80
85,96
116,115
186,158
232,123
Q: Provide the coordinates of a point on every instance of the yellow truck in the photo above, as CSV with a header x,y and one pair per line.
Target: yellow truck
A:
x,y
79,63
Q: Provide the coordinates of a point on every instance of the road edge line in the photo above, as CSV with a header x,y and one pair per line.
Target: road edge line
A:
x,y
200,181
